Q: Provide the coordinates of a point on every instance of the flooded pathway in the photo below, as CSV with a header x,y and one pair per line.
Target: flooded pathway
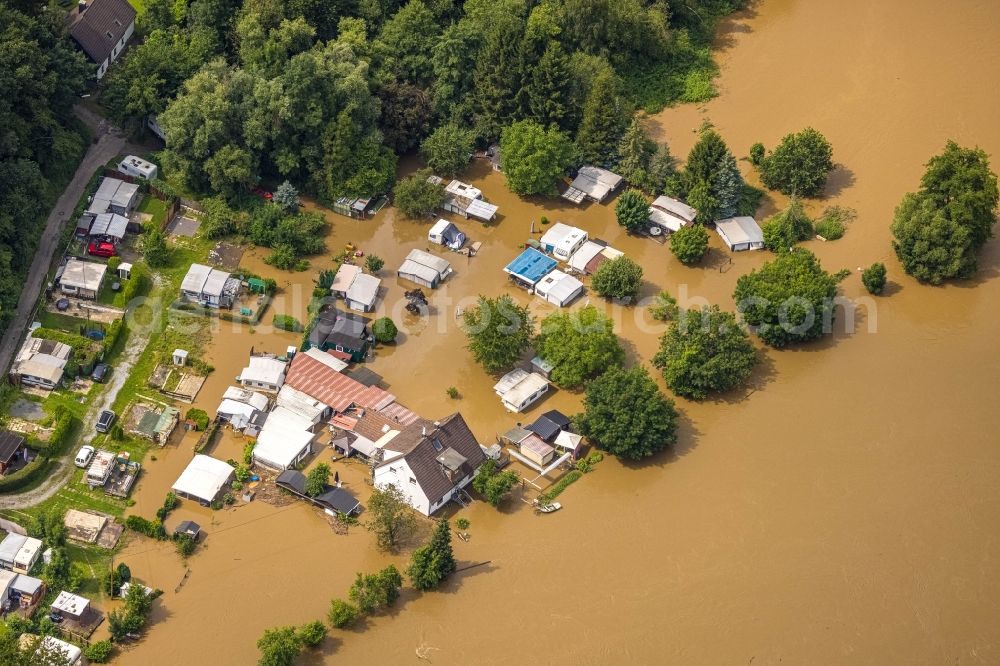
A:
x,y
846,511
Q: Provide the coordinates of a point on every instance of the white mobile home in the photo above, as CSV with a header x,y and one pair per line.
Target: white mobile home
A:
x,y
465,200
445,233
203,479
210,287
263,372
363,293
592,183
670,215
519,389
82,279
740,233
562,240
40,363
138,167
558,288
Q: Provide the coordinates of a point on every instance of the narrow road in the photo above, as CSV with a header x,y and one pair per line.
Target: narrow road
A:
x,y
108,146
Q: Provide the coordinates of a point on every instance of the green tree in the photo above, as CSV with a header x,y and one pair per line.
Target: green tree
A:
x,y
375,592
448,149
498,75
499,331
960,181
406,115
287,196
391,519
317,480
619,278
931,246
799,165
711,181
374,263
787,300
757,154
533,158
632,210
154,248
705,351
689,244
611,420
384,330
635,154
664,307
417,197
786,228
492,483
342,614
580,345
662,169
873,278
603,122
312,633
402,47
279,647
431,563
549,89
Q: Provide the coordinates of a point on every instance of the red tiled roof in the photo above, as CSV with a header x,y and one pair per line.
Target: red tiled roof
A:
x,y
338,391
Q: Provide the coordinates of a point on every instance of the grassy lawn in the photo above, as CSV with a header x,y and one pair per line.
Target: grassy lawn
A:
x,y
155,207
74,495
60,321
68,399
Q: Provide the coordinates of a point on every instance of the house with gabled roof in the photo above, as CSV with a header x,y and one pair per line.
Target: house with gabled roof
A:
x,y
431,464
102,28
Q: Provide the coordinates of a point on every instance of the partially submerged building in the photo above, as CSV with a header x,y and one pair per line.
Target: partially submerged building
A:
x,y
465,200
446,233
342,332
363,293
562,240
529,267
332,499
740,233
243,409
204,479
592,183
284,441
82,279
425,269
265,373
431,464
210,287
590,256
519,389
558,288
670,215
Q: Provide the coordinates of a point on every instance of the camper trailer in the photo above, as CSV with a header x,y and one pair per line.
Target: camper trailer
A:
x,y
447,234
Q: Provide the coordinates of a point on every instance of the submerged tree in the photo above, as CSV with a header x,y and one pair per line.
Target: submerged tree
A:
x,y
799,165
784,229
433,562
448,149
632,210
375,592
580,345
703,352
689,244
391,518
711,180
416,196
492,483
499,331
533,158
619,278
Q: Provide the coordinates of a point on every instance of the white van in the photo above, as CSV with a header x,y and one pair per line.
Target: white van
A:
x,y
84,455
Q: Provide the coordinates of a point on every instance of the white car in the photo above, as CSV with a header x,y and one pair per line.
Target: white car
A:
x,y
84,455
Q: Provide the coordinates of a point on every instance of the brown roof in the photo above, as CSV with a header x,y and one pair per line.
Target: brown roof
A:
x,y
102,18
10,444
422,451
338,391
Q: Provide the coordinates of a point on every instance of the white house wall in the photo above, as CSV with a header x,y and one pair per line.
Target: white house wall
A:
x,y
398,474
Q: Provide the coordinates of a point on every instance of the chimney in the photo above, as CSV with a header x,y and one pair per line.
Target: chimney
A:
x,y
423,430
82,5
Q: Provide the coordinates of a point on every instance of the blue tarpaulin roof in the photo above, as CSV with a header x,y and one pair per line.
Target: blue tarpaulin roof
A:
x,y
531,265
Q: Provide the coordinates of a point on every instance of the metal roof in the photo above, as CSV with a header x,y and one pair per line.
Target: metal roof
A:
x,y
344,277
109,224
83,274
740,230
596,182
203,478
364,289
675,207
559,288
531,265
482,210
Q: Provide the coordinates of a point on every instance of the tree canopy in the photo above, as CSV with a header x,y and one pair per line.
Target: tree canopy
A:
x,y
799,165
711,181
619,278
533,158
416,196
705,351
689,244
492,483
632,210
788,300
625,413
938,230
448,149
580,345
499,331
390,517
431,563
786,228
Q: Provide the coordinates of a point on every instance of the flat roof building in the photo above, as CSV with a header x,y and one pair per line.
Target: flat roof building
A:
x,y
203,479
529,267
82,278
592,183
740,233
425,269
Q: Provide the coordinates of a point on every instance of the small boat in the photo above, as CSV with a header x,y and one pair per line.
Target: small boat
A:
x,y
549,508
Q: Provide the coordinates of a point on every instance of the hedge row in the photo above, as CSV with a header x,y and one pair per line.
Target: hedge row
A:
x,y
30,473
151,528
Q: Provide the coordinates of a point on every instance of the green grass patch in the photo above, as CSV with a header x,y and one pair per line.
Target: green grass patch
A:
x,y
60,321
68,400
155,207
686,75
74,495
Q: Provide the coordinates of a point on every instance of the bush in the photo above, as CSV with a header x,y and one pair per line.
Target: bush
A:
x,y
287,323
493,484
376,592
785,229
462,523
453,393
833,222
374,263
689,244
185,545
342,614
632,210
151,528
619,278
873,278
312,633
756,153
199,416
415,197
664,308
384,330
99,652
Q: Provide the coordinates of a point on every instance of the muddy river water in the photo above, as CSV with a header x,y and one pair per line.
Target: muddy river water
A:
x,y
845,509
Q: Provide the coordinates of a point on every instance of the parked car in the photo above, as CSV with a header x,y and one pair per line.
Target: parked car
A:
x,y
84,455
105,420
101,372
102,249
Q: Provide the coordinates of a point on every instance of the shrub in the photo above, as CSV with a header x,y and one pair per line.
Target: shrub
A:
x,y
493,484
833,222
756,153
99,652
229,498
199,416
384,330
873,278
151,528
312,633
619,278
378,591
453,393
374,263
785,229
664,307
185,544
689,244
342,614
287,323
462,523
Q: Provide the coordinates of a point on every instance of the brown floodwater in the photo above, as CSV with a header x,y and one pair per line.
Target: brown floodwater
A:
x,y
843,510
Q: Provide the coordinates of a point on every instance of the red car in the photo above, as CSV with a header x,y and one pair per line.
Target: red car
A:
x,y
102,249
262,193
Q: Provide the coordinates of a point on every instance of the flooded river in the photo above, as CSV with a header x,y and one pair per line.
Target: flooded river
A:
x,y
845,510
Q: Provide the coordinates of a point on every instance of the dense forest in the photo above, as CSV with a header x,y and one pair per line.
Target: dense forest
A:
x,y
327,93
41,74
